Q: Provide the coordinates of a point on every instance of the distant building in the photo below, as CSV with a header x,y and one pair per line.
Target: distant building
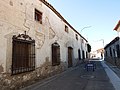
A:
x,y
36,42
112,49
98,53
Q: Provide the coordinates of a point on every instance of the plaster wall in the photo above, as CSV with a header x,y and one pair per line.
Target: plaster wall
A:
x,y
17,16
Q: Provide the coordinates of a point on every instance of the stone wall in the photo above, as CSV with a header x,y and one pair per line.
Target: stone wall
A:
x,y
15,82
114,61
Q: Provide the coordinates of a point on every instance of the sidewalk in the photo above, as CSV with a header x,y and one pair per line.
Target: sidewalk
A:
x,y
114,74
114,68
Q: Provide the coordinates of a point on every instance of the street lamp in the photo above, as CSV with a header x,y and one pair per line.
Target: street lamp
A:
x,y
102,41
83,55
102,52
85,28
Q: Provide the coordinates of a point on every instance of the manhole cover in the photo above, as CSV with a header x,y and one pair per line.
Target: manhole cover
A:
x,y
87,76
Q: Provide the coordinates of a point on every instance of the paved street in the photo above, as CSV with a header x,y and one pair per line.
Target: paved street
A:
x,y
77,78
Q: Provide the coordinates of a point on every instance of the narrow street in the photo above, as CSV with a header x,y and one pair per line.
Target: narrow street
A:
x,y
77,78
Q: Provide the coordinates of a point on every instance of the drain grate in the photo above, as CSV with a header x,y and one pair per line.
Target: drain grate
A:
x,y
88,76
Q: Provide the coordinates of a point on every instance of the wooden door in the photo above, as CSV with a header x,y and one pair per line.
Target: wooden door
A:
x,y
79,54
55,54
83,54
70,53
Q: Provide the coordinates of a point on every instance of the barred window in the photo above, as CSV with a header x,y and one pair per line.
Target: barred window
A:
x,y
23,56
79,54
55,54
110,52
118,50
106,54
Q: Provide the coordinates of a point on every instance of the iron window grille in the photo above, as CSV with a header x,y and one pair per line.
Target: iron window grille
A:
x,y
110,52
106,53
118,51
23,55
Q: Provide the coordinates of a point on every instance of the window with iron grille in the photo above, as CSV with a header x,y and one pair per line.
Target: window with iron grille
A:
x,y
23,55
118,51
106,53
38,16
55,54
114,52
110,52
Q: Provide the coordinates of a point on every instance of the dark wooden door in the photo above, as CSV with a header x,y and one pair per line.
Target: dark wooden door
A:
x,y
83,54
79,54
55,54
70,53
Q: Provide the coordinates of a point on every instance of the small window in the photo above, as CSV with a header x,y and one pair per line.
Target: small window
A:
x,y
66,29
82,41
38,16
76,37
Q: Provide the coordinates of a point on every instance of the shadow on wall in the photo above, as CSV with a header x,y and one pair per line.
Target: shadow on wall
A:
x,y
1,68
15,82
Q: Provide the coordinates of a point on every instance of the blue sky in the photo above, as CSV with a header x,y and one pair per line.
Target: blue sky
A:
x,y
101,15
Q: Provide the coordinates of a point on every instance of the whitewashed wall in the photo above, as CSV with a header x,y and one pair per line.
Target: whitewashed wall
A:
x,y
17,16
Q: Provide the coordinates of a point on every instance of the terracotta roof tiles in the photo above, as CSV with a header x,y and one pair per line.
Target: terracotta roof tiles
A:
x,y
118,24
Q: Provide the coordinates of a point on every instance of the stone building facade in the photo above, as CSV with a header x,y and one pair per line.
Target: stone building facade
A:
x,y
36,42
112,50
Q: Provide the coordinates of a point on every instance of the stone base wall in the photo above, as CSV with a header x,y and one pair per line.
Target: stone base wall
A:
x,y
118,62
110,60
15,82
114,61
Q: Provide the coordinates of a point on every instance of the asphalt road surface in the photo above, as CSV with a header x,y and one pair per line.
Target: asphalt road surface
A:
x,y
77,78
